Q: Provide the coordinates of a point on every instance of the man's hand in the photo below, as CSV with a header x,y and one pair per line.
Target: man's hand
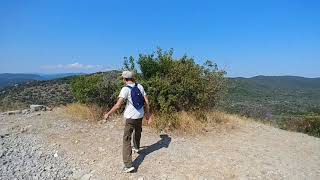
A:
x,y
114,108
149,118
106,116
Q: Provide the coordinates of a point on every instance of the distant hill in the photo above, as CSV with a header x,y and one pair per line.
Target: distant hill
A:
x,y
282,82
8,79
61,75
270,96
11,79
52,92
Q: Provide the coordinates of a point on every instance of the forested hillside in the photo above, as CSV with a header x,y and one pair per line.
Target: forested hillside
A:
x,y
269,96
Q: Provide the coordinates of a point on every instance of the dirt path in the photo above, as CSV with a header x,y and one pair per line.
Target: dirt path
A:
x,y
239,150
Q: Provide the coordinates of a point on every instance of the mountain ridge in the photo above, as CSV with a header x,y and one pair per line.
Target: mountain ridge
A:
x,y
11,79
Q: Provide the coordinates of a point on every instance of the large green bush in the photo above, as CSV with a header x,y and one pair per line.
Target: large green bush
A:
x,y
97,89
178,84
172,84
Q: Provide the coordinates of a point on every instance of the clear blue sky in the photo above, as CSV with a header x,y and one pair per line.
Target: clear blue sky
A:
x,y
246,38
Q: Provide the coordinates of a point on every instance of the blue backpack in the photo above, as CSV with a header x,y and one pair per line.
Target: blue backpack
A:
x,y
137,97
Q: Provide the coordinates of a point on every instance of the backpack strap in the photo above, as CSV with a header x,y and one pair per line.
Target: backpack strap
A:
x,y
129,87
136,84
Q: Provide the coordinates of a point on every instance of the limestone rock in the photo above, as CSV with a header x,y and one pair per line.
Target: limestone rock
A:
x,y
25,111
34,108
55,155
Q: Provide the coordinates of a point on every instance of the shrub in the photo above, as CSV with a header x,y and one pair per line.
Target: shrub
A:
x,y
95,89
194,122
309,124
176,85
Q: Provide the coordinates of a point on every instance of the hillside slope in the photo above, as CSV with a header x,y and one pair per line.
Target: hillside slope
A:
x,y
259,97
46,92
50,93
236,149
268,96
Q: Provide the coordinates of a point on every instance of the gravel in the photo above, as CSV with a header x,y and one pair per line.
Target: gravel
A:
x,y
52,146
25,157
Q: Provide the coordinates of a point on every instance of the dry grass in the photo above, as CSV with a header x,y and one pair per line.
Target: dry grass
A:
x,y
84,112
189,122
222,121
197,122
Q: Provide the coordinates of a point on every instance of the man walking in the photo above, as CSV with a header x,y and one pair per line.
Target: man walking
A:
x,y
137,105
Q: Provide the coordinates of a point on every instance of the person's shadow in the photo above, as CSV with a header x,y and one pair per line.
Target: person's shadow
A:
x,y
162,143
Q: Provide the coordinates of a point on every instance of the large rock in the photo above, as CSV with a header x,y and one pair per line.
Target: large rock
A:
x,y
34,107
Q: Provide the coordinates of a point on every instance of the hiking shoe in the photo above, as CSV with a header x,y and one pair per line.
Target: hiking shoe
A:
x,y
135,150
127,169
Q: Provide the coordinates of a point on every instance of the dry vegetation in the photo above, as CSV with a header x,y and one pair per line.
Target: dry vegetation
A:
x,y
184,122
83,112
196,122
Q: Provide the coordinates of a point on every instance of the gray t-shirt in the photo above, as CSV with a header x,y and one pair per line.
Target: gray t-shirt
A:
x,y
130,111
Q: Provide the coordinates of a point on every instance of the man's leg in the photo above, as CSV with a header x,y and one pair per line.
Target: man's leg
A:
x,y
137,133
126,149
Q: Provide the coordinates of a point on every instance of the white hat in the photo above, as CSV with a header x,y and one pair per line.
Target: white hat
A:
x,y
127,74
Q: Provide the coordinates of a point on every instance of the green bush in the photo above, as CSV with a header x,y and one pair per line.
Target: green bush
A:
x,y
309,124
96,89
175,85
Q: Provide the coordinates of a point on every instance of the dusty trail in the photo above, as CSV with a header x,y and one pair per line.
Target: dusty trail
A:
x,y
84,150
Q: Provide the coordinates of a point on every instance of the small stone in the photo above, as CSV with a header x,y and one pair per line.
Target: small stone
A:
x,y
25,111
25,129
40,153
202,178
4,135
86,177
55,155
140,178
100,149
103,121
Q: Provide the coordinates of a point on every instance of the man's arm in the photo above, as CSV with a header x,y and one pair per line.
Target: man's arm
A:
x,y
147,109
114,108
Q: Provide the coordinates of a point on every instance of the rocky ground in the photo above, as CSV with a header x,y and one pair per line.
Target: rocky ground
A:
x,y
47,145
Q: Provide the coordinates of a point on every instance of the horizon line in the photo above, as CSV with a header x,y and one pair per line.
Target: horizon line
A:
x,y
38,73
